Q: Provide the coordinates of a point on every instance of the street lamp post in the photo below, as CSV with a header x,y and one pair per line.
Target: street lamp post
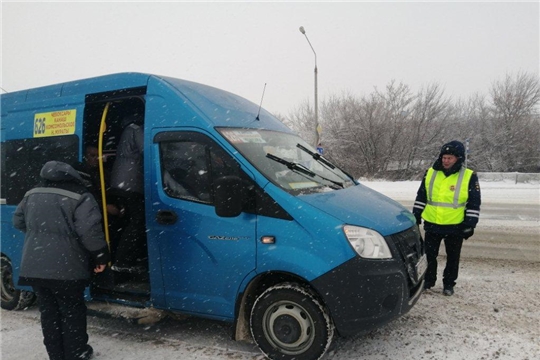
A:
x,y
316,104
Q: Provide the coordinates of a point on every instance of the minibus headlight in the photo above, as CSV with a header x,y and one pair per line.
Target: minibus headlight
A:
x,y
367,243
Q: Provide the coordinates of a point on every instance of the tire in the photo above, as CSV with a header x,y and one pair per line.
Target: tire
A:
x,y
11,298
287,322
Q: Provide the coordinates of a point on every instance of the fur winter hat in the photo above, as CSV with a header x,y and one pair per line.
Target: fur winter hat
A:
x,y
452,148
455,148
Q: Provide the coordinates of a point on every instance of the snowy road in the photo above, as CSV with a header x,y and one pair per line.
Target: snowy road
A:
x,y
493,315
509,227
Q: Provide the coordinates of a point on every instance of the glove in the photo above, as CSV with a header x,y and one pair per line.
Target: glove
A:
x,y
467,231
418,219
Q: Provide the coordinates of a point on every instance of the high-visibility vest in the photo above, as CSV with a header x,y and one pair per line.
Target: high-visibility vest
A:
x,y
446,196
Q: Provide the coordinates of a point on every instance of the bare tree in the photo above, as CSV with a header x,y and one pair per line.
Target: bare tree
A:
x,y
429,123
471,123
397,133
396,112
337,116
302,120
512,139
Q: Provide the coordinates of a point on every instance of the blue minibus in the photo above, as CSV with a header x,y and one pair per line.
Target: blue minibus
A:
x,y
245,221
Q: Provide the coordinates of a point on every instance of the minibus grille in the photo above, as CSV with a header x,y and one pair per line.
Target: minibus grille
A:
x,y
410,247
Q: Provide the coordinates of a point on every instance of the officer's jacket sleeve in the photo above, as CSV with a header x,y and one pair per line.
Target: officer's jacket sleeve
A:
x,y
87,220
18,220
472,209
421,199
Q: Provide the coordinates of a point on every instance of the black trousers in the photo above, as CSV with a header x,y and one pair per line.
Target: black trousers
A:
x,y
63,321
132,247
452,245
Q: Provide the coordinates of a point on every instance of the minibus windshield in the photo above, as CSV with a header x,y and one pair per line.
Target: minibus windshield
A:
x,y
282,158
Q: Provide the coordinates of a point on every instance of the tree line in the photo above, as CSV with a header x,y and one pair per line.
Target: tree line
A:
x,y
397,133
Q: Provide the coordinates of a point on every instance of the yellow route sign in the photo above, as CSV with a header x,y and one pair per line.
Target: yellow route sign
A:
x,y
56,123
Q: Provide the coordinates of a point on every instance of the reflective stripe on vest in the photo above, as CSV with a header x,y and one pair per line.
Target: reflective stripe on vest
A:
x,y
446,196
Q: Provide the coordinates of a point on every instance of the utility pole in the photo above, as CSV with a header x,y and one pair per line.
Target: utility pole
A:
x,y
317,127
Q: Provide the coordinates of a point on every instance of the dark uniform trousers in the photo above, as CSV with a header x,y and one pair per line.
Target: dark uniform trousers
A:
x,y
63,321
452,245
132,247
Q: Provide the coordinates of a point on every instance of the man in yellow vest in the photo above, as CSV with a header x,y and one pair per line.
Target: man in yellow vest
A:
x,y
448,201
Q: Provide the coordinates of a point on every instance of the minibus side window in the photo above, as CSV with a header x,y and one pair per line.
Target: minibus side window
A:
x,y
189,168
22,160
185,170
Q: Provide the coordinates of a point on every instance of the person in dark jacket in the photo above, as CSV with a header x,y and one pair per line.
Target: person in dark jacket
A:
x,y
89,172
448,201
127,184
64,240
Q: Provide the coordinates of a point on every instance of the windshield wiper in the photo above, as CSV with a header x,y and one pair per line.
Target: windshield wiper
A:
x,y
316,156
325,162
301,169
291,165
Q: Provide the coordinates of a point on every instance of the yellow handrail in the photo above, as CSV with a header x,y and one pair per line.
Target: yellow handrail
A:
x,y
102,128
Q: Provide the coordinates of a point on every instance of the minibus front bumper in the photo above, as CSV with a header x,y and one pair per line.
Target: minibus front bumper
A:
x,y
365,294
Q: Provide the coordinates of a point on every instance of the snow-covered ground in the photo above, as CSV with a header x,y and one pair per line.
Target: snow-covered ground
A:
x,y
493,192
494,314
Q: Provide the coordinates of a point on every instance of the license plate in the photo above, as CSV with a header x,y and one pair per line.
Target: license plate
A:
x,y
421,266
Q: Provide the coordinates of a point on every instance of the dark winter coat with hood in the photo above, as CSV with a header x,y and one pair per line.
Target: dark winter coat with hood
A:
x,y
64,234
127,172
472,208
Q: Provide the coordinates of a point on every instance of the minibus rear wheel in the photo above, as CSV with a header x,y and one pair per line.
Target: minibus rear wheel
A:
x,y
288,322
13,299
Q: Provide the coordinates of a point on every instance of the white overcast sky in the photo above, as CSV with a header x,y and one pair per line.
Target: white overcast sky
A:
x,y
240,46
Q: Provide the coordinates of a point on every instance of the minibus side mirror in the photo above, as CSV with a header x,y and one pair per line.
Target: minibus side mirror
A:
x,y
229,196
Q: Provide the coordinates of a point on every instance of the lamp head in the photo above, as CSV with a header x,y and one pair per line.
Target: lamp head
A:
x,y
302,30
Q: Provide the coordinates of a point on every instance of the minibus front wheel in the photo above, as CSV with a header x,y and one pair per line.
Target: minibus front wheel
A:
x,y
288,322
13,299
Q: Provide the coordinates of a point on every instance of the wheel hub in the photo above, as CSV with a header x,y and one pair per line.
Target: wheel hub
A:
x,y
287,329
289,326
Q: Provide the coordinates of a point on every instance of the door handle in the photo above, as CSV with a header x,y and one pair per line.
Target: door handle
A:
x,y
166,217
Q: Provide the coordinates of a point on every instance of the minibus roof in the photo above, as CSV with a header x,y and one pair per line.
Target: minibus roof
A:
x,y
219,107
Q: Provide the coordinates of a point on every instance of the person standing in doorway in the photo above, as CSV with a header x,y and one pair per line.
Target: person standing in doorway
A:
x,y
127,183
89,172
448,201
64,240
